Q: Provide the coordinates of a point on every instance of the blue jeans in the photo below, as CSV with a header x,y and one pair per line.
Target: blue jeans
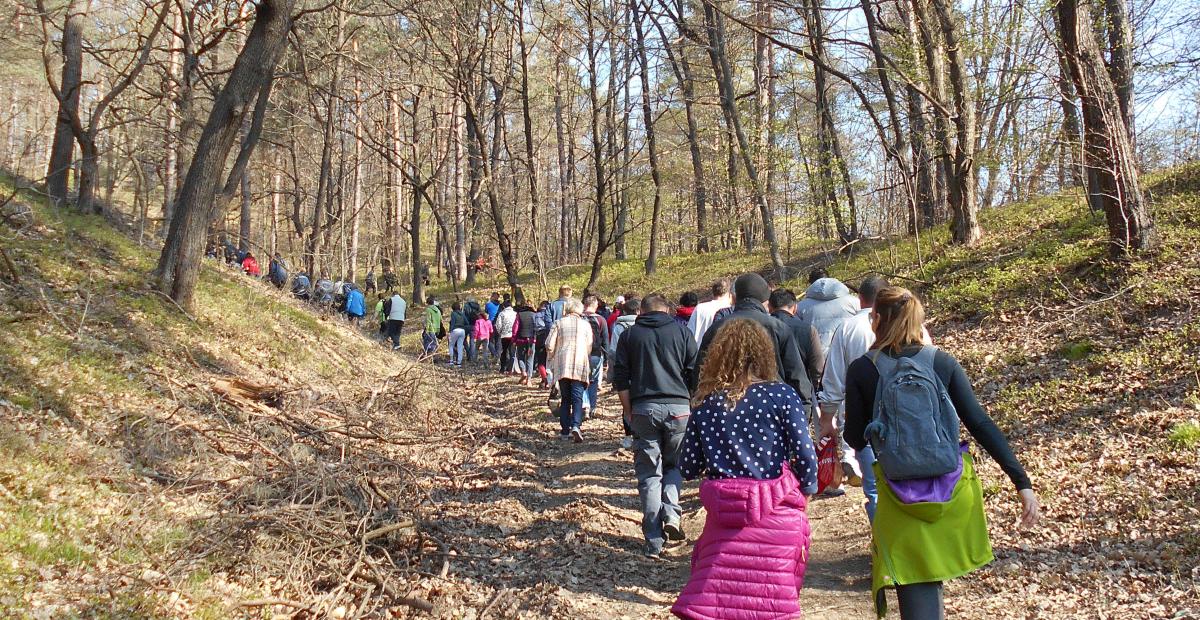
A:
x,y
429,343
570,412
866,458
525,358
596,364
470,346
657,447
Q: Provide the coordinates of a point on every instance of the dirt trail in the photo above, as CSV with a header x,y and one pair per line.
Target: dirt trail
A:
x,y
553,527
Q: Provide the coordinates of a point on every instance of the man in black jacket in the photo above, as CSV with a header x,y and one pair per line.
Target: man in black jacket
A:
x,y
653,373
783,307
750,294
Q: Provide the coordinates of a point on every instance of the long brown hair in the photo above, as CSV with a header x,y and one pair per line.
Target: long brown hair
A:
x,y
741,354
898,319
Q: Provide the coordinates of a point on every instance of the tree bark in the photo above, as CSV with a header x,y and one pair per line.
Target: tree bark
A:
x,y
179,264
1108,152
1120,61
62,150
651,143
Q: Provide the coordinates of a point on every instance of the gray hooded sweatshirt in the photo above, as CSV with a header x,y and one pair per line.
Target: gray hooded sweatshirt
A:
x,y
826,303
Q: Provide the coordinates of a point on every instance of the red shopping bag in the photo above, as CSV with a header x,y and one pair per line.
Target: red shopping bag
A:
x,y
827,464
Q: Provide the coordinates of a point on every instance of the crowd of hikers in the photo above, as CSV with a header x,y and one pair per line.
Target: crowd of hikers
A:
x,y
724,391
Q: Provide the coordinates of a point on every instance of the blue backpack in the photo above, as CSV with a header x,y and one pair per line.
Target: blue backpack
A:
x,y
914,426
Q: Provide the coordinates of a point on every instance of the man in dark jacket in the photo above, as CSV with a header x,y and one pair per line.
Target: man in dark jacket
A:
x,y
653,373
591,303
750,294
783,307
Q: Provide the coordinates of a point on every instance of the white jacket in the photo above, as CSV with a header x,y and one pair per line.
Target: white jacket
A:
x,y
702,317
505,321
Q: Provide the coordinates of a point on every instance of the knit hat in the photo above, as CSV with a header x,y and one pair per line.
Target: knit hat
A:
x,y
751,286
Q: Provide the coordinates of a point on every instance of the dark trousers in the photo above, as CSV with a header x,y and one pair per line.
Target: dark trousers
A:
x,y
921,601
570,411
393,329
506,355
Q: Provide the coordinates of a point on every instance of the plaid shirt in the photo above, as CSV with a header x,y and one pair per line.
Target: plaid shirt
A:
x,y
568,347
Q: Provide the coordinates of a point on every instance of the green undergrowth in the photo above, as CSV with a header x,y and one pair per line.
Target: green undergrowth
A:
x,y
93,366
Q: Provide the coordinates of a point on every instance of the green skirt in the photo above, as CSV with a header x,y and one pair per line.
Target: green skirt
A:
x,y
927,541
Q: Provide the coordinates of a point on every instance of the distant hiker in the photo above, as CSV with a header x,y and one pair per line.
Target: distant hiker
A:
x,y
380,315
231,251
782,305
750,294
567,349
654,362
702,317
604,311
425,273
506,320
483,333
356,303
524,338
748,440
687,305
396,309
929,522
433,328
471,310
458,334
826,302
277,271
390,281
558,306
851,340
492,307
250,266
618,310
542,323
369,285
301,286
598,353
630,309
323,291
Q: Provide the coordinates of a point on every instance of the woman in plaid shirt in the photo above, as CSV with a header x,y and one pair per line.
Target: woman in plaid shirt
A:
x,y
567,348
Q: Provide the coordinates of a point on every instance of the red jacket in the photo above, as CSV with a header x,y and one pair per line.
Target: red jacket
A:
x,y
250,266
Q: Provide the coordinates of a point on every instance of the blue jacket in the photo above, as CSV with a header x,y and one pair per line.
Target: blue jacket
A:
x,y
356,305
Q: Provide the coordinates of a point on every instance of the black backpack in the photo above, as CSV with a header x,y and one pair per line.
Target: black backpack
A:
x,y
598,323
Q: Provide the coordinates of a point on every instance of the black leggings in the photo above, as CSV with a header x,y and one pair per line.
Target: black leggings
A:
x,y
921,601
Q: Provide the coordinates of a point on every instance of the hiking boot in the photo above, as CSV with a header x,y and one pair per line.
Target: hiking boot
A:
x,y
674,531
554,393
626,443
651,553
564,436
838,492
576,435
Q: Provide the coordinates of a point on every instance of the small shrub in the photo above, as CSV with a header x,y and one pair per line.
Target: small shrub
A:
x,y
1075,351
1185,435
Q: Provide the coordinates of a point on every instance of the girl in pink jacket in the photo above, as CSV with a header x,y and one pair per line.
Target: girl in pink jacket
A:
x,y
748,438
482,334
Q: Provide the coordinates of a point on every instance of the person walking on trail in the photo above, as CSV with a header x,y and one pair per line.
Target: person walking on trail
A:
x,y
702,317
851,340
369,285
302,287
598,353
483,333
630,310
618,310
380,315
506,321
782,305
748,441
458,335
395,309
567,349
929,522
826,303
356,303
687,305
750,294
492,308
250,266
541,323
655,360
471,310
555,312
433,328
524,338
277,271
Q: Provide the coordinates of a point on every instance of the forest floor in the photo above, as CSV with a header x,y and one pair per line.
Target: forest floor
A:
x,y
259,460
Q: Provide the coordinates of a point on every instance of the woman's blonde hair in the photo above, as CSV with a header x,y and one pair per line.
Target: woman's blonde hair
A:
x,y
572,306
899,319
741,354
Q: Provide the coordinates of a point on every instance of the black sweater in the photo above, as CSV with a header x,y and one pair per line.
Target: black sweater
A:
x,y
862,379
655,361
787,352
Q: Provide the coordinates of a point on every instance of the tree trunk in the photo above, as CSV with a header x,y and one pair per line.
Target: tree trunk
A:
x,y
598,167
715,26
651,144
683,72
1120,61
964,208
179,264
530,155
62,150
1108,152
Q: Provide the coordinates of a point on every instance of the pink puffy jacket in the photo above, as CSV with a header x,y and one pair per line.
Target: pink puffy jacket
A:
x,y
749,563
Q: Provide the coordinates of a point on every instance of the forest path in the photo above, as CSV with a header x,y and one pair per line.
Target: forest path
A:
x,y
554,526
